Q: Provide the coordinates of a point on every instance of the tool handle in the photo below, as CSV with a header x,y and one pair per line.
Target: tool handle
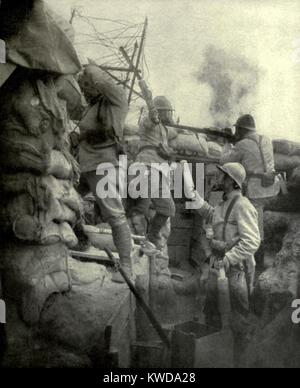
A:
x,y
141,301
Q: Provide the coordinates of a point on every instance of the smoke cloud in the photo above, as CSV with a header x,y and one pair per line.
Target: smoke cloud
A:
x,y
233,81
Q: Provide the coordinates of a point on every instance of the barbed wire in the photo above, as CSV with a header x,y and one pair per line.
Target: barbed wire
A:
x,y
127,35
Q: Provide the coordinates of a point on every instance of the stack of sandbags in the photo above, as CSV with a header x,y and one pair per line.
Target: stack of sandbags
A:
x,y
286,162
190,144
286,147
286,155
39,203
196,145
294,179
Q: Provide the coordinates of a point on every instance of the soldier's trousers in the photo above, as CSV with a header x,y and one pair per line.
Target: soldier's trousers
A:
x,y
238,291
159,195
111,210
259,205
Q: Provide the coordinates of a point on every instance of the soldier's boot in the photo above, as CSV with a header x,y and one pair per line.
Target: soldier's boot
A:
x,y
156,225
122,238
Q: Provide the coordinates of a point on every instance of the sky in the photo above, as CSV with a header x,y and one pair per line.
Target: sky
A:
x,y
265,33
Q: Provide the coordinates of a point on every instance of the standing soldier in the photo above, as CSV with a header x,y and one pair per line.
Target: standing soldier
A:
x,y
234,242
154,148
101,133
255,153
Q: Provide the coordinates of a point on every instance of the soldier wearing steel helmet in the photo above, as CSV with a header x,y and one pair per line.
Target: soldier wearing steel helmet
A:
x,y
234,242
255,153
154,148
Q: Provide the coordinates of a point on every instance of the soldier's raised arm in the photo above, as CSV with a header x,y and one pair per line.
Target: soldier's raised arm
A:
x,y
203,208
95,81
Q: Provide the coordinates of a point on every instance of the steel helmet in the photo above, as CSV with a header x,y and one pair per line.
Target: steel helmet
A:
x,y
247,122
162,103
236,172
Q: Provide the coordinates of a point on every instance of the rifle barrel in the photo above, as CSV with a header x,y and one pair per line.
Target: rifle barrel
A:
x,y
207,131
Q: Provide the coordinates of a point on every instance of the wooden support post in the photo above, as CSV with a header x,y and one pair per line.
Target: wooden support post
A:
x,y
138,60
114,68
121,82
132,59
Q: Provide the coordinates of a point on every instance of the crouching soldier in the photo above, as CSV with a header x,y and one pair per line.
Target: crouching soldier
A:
x,y
234,242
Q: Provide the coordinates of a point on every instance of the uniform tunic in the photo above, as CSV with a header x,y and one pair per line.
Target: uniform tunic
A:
x,y
107,116
247,152
242,228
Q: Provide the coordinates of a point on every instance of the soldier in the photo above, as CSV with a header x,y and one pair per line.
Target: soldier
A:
x,y
235,240
154,148
101,133
255,153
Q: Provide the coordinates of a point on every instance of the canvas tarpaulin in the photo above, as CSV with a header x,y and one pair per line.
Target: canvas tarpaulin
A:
x,y
44,43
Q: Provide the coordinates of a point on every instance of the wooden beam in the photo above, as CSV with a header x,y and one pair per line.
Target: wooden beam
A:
x,y
132,59
113,68
138,60
122,83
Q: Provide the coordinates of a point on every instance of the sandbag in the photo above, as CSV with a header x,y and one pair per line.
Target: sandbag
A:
x,y
286,162
15,183
63,190
190,142
285,147
22,157
40,191
59,166
32,273
67,235
44,43
45,208
294,180
19,206
86,273
25,108
29,228
59,212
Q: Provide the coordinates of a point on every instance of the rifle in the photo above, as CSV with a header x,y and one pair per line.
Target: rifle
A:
x,y
226,133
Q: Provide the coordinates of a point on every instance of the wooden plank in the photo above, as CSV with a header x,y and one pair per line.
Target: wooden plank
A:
x,y
93,257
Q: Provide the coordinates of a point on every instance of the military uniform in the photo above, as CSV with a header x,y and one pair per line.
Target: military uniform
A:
x,y
255,153
248,152
241,228
101,134
154,148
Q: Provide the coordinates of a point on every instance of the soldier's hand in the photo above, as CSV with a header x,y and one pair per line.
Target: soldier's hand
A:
x,y
153,115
